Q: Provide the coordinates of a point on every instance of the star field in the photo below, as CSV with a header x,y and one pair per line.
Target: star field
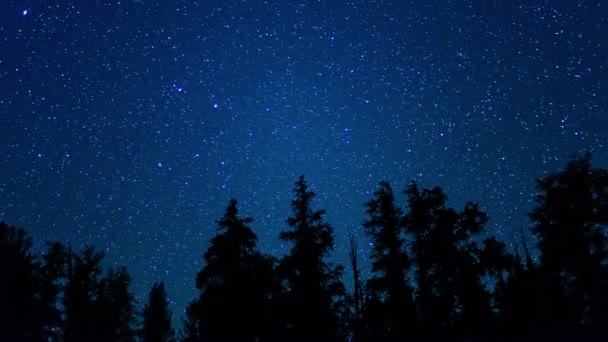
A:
x,y
129,125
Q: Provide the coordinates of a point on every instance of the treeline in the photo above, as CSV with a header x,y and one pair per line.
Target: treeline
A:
x,y
435,275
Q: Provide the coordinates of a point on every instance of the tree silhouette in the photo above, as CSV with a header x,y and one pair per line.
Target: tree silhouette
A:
x,y
357,298
191,324
234,285
157,317
570,221
390,265
19,285
452,299
80,295
434,275
97,308
53,274
519,297
312,285
94,309
115,308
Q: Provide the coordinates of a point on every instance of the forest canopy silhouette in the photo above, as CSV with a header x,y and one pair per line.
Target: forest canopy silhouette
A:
x,y
435,274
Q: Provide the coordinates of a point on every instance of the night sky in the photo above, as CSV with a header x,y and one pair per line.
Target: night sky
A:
x,y
129,124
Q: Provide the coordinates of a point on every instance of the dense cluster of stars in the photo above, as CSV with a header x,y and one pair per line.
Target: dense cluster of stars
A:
x,y
128,125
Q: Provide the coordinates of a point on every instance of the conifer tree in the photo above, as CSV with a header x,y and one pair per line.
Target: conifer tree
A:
x,y
519,298
451,298
96,307
235,284
53,274
570,222
83,277
19,285
357,298
312,285
114,307
390,264
190,324
157,317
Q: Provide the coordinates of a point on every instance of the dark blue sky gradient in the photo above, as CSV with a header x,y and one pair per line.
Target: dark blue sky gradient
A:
x,y
128,125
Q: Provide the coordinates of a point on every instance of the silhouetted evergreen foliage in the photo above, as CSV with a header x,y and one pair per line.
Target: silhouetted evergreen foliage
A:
x,y
356,320
313,290
157,317
518,299
19,285
83,273
97,308
235,284
93,308
451,297
434,274
191,324
115,306
394,313
53,274
570,221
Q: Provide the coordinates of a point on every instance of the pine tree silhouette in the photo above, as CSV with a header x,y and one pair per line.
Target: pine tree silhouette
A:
x,y
18,287
97,308
451,297
356,323
312,285
235,284
157,317
518,299
83,277
191,324
570,221
52,276
64,296
390,264
114,307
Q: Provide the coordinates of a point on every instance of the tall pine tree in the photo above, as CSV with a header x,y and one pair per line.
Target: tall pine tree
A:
x,y
390,264
518,297
356,327
19,285
570,222
157,317
312,285
235,284
83,277
114,307
52,276
96,307
190,331
452,298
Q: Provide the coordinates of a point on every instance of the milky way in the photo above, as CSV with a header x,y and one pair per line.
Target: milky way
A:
x,y
129,125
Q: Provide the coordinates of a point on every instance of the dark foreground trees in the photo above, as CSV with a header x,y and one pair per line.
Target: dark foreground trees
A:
x,y
311,289
235,285
97,307
451,262
567,291
19,286
570,220
390,313
157,317
61,295
435,274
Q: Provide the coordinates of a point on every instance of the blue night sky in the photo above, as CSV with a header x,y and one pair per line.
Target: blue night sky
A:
x,y
129,124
